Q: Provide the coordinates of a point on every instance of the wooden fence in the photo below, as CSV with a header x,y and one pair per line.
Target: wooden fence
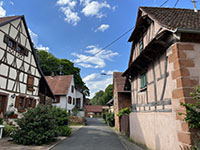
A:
x,y
124,125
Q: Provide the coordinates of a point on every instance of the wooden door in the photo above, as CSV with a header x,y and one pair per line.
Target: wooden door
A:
x,y
3,103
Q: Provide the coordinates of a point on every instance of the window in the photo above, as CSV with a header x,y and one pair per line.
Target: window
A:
x,y
69,99
20,49
143,80
14,45
78,100
73,101
30,83
72,89
141,45
57,100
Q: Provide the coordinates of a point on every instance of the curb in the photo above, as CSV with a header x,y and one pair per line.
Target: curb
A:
x,y
52,146
124,141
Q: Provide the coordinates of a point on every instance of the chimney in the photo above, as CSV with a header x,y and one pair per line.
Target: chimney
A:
x,y
195,8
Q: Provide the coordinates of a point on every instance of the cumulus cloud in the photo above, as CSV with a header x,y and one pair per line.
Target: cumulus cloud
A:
x,y
102,27
41,47
34,38
70,16
94,57
2,10
96,81
87,7
93,8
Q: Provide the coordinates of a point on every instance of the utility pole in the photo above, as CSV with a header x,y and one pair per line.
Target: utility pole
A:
x,y
194,3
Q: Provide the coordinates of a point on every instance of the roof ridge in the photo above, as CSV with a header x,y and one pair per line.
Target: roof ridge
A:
x,y
166,8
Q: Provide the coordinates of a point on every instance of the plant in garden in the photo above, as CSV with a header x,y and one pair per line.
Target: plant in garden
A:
x,y
61,116
110,119
123,111
75,111
64,131
36,127
192,115
8,130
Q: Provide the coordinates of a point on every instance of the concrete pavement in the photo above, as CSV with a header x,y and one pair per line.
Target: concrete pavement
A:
x,y
95,136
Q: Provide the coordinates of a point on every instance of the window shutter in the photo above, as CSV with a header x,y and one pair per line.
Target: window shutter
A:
x,y
17,101
34,103
30,82
6,39
26,102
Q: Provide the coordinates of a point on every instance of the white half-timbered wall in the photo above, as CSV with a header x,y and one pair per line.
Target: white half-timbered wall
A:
x,y
15,67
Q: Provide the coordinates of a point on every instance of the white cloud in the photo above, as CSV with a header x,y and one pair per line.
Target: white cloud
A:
x,y
90,60
70,3
96,81
34,38
70,16
2,10
102,27
41,47
68,9
93,8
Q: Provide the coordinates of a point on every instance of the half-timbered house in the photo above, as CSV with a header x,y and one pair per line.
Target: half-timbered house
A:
x,y
163,70
20,74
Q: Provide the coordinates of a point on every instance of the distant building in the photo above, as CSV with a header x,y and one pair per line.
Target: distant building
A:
x,y
21,80
67,96
163,70
94,110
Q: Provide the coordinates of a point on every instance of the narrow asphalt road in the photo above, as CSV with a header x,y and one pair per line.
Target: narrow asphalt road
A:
x,y
95,136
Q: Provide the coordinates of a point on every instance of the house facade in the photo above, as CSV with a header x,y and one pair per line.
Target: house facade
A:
x,y
163,70
67,96
121,97
94,110
20,74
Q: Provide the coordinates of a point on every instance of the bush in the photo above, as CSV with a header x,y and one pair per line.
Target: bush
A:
x,y
38,126
192,115
64,131
123,111
61,116
8,130
110,119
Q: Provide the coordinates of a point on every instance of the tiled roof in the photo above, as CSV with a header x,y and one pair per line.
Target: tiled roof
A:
x,y
119,81
8,19
93,108
173,18
59,84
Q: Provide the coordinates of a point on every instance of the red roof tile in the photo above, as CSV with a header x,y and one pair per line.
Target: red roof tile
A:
x,y
59,84
94,108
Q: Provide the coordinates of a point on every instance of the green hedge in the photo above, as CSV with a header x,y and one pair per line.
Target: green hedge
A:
x,y
109,119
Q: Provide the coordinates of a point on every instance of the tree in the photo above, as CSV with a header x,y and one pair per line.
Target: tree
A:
x,y
98,98
101,97
50,64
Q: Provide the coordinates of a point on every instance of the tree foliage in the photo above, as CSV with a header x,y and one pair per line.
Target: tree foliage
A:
x,y
50,64
102,97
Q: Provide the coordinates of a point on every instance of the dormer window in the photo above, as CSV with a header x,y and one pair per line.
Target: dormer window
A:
x,y
141,45
72,89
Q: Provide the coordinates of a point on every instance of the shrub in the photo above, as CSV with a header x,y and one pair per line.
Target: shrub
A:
x,y
8,130
110,119
123,111
104,115
75,111
61,116
64,131
192,115
38,126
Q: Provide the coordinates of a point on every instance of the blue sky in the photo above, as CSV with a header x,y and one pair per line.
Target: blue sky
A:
x,y
75,29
